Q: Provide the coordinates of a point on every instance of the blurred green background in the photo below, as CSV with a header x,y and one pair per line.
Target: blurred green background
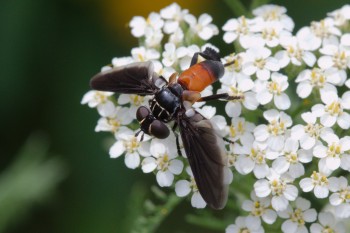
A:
x,y
49,51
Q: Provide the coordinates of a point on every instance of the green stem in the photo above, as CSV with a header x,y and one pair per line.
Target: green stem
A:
x,y
237,8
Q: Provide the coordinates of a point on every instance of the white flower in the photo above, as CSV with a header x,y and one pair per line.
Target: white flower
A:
x,y
332,156
240,129
171,54
327,223
242,87
247,224
139,24
252,157
164,153
311,38
122,61
203,27
130,145
298,217
341,16
260,207
274,89
336,60
239,28
274,132
315,78
341,198
165,72
291,158
279,187
333,109
153,38
173,15
319,182
135,101
271,32
97,98
184,187
293,53
257,61
270,12
309,134
177,37
141,54
113,119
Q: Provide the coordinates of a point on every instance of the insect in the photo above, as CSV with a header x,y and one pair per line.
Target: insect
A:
x,y
172,101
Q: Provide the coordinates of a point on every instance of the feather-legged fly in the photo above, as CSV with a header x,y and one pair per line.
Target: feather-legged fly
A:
x,y
172,101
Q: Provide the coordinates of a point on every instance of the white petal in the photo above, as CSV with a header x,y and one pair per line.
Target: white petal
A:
x,y
182,188
280,165
310,215
309,58
165,179
263,74
335,199
197,201
307,142
132,160
289,226
304,89
176,166
233,109
264,97
148,164
261,133
296,170
269,216
248,205
261,170
344,120
306,184
229,37
316,228
297,132
279,203
262,188
321,191
276,143
320,151
282,101
305,156
291,192
326,218
302,203
117,149
328,120
333,163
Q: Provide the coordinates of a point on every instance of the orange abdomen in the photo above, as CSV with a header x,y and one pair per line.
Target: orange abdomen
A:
x,y
199,76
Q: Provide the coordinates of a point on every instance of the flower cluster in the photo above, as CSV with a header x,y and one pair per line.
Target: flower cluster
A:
x,y
293,88
301,126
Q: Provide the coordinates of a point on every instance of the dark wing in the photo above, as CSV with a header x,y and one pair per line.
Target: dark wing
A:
x,y
135,78
207,157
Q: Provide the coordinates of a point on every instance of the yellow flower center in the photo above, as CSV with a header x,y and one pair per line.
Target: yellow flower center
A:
x,y
131,145
334,108
136,100
297,217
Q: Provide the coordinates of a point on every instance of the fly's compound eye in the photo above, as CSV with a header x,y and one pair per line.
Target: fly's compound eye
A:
x,y
159,129
142,113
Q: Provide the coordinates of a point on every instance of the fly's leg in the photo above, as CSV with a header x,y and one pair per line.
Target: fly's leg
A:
x,y
222,96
